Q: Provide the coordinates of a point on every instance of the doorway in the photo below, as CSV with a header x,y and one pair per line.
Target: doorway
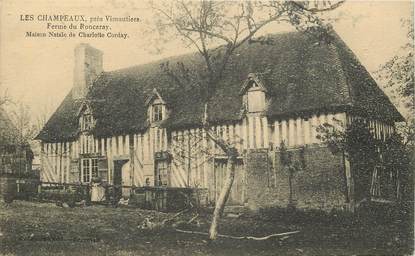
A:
x,y
162,173
120,173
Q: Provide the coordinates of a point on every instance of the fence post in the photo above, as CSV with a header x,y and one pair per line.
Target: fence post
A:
x,y
39,190
107,193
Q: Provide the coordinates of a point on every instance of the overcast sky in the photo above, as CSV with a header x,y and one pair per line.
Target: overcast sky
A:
x,y
39,71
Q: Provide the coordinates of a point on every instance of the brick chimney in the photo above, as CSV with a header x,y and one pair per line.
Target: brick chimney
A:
x,y
88,66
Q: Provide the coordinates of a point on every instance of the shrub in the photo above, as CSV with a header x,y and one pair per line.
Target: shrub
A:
x,y
69,196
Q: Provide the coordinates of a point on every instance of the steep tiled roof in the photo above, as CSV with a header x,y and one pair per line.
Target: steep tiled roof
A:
x,y
300,76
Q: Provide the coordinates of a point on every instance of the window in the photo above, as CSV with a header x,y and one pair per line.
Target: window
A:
x,y
162,173
86,171
86,122
157,112
89,169
94,167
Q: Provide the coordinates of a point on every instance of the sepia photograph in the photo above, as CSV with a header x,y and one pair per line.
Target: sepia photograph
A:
x,y
207,127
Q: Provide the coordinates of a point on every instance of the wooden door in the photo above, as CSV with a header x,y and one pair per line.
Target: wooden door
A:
x,y
118,177
126,179
236,196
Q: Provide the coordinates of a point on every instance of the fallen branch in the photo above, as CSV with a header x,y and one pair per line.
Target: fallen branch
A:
x,y
150,225
175,216
192,219
241,237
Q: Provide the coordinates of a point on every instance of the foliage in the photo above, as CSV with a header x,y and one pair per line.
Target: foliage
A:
x,y
398,157
333,135
407,132
358,144
58,194
398,75
398,72
356,140
288,160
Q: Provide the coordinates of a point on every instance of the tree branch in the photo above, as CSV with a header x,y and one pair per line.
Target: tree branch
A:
x,y
316,9
242,237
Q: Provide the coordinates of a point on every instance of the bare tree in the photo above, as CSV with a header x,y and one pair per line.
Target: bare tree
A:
x,y
188,149
204,26
42,116
6,129
4,96
22,120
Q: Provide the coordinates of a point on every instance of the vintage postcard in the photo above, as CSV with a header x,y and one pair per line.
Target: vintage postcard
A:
x,y
206,127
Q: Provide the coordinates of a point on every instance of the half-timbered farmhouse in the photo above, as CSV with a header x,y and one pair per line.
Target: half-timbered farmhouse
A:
x,y
137,127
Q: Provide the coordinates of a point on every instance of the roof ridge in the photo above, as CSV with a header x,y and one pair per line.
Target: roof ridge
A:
x,y
193,53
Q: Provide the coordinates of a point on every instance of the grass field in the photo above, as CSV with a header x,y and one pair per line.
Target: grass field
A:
x,y
29,228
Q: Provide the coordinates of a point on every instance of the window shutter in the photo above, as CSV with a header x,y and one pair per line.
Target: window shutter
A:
x,y
103,168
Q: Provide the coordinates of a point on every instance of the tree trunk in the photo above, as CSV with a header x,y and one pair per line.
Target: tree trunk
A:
x,y
290,185
223,197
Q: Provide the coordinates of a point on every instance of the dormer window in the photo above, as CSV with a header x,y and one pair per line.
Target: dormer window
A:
x,y
87,122
253,92
157,114
156,108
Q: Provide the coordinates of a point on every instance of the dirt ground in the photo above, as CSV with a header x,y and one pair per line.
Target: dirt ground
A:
x,y
29,228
